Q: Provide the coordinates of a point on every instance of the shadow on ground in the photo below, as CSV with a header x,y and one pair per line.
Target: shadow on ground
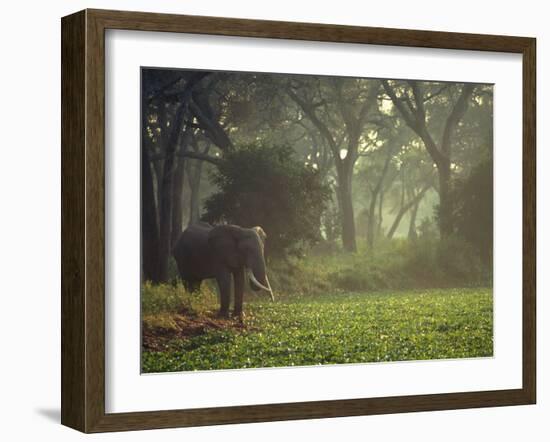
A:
x,y
51,414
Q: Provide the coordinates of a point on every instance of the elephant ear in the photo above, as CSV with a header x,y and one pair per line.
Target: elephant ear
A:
x,y
223,241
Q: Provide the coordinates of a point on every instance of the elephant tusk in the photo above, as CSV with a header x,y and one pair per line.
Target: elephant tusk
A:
x,y
270,289
256,282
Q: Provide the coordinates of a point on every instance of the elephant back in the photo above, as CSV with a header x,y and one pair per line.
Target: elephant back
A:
x,y
191,251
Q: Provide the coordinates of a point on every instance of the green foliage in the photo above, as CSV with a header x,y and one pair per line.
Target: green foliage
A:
x,y
266,186
173,298
343,328
397,265
459,260
473,209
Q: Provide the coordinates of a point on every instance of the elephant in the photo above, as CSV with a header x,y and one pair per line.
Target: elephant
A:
x,y
225,253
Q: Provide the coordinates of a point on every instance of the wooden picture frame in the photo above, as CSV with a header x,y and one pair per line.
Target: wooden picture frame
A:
x,y
83,220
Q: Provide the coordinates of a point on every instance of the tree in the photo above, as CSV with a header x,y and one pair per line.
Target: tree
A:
x,y
372,176
339,108
166,201
266,186
168,111
410,99
414,179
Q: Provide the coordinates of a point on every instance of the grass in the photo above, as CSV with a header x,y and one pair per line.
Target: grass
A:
x,y
311,330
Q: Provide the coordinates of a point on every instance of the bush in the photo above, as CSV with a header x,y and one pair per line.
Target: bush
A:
x,y
267,187
460,261
399,265
473,210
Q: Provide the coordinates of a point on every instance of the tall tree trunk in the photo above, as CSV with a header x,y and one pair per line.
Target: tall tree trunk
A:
x,y
374,227
166,199
149,227
165,206
149,222
346,208
445,201
157,169
177,202
412,235
371,223
380,215
194,179
194,184
178,186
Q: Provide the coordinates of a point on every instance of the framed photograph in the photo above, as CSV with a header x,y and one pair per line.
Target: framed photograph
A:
x,y
267,221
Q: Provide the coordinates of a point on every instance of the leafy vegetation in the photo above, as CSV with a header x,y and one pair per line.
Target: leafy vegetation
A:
x,y
265,186
338,328
474,209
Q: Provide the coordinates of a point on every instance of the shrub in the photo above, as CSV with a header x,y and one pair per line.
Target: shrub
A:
x,y
400,264
473,210
266,186
460,261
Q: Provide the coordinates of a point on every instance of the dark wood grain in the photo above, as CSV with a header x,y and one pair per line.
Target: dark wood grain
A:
x,y
95,222
83,220
529,220
73,129
145,21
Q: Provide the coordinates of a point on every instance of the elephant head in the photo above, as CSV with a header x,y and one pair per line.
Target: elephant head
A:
x,y
238,247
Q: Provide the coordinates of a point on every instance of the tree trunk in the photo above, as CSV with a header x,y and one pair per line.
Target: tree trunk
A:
x,y
178,186
149,227
167,184
194,185
177,202
412,223
371,223
165,237
158,169
445,201
402,209
194,174
380,215
149,222
373,227
346,207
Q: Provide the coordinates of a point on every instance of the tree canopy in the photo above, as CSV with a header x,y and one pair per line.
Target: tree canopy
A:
x,y
340,160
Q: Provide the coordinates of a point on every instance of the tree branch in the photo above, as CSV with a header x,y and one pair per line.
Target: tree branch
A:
x,y
407,116
455,116
201,156
418,125
310,112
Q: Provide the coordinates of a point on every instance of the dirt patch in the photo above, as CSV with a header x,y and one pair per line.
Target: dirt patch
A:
x,y
157,332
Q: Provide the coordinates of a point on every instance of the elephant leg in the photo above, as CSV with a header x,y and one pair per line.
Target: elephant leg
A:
x,y
238,277
195,285
224,284
192,285
181,270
